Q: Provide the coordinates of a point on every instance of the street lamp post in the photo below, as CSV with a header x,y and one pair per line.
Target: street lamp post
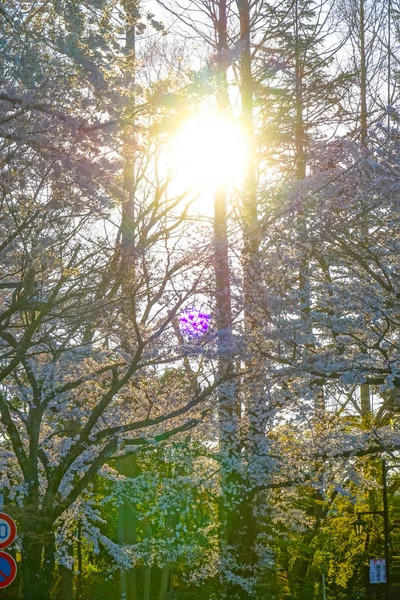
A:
x,y
359,526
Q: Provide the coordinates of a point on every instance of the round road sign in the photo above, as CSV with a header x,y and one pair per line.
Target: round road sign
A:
x,y
8,569
8,530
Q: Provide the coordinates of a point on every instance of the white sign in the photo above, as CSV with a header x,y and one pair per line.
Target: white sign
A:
x,y
377,570
8,530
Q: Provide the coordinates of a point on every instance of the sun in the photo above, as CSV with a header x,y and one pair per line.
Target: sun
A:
x,y
209,151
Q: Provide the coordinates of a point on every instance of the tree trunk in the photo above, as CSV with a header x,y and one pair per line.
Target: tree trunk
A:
x,y
66,588
127,529
363,77
228,406
147,583
254,398
49,561
35,587
164,582
121,542
300,158
38,547
79,580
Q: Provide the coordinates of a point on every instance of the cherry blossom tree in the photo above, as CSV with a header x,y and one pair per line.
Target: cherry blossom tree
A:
x,y
81,335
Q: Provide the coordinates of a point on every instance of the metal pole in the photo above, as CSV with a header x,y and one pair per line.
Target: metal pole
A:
x,y
389,50
323,586
386,525
121,541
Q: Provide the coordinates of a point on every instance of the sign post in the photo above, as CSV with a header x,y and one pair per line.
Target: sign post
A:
x,y
8,566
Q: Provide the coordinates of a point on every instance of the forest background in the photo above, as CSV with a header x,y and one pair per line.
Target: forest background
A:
x,y
138,453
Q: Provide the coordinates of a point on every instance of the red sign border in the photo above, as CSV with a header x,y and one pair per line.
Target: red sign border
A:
x,y
13,529
13,571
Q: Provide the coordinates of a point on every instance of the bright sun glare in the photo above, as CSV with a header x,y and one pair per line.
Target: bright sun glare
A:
x,y
209,150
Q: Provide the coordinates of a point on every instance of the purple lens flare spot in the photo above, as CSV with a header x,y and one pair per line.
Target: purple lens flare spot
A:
x,y
194,323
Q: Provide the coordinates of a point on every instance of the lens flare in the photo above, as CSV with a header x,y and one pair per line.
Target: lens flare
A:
x,y
194,323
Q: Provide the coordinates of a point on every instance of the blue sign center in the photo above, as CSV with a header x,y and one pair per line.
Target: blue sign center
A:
x,y
5,569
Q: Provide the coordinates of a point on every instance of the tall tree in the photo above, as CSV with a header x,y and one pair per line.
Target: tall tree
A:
x,y
298,84
371,84
75,357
